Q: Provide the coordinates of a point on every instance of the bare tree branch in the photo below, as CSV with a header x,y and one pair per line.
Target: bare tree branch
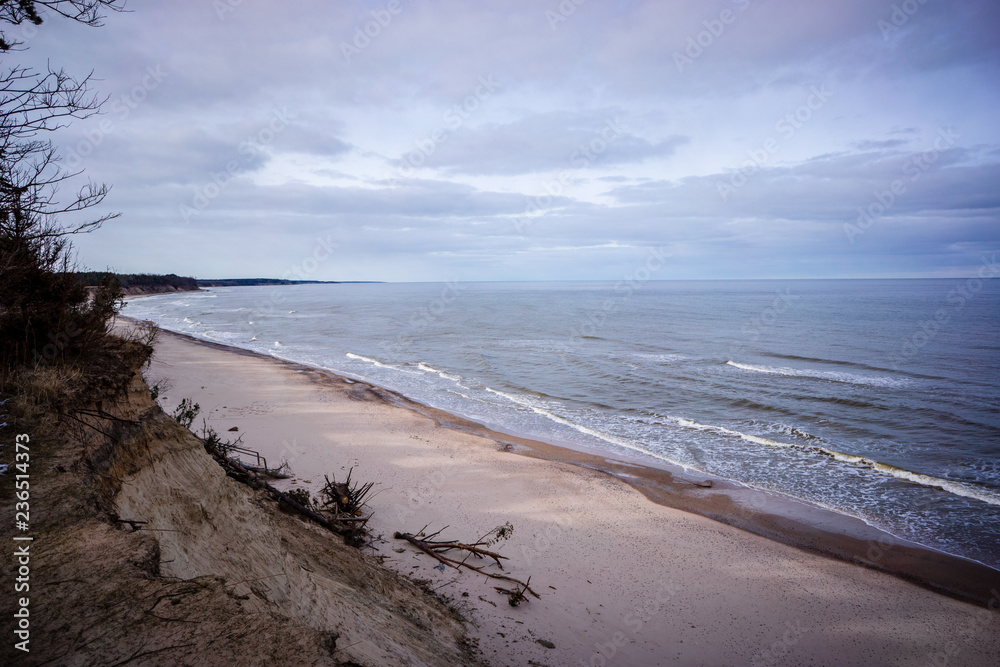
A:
x,y
38,297
87,12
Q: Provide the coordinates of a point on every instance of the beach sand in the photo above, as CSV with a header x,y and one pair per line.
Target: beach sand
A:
x,y
623,580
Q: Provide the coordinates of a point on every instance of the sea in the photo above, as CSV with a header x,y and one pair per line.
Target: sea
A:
x,y
877,399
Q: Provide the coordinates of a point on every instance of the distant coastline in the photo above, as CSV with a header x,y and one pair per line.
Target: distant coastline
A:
x,y
145,284
252,282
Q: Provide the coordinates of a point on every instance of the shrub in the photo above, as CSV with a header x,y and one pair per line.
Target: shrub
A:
x,y
186,412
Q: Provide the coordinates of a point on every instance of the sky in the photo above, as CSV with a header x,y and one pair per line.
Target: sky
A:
x,y
425,140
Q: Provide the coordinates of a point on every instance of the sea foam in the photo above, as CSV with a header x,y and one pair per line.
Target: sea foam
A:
x,y
830,376
951,486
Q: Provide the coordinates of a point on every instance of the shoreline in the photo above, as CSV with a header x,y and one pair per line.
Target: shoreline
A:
x,y
622,579
773,516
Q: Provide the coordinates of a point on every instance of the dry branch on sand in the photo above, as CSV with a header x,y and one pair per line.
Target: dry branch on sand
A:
x,y
344,499
436,549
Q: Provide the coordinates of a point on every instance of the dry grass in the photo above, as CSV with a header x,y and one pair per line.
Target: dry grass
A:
x,y
43,395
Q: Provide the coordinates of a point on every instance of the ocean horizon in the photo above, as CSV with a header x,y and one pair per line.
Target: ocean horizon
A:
x,y
876,399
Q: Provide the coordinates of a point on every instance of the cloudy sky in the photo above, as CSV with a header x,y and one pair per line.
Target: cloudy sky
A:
x,y
412,140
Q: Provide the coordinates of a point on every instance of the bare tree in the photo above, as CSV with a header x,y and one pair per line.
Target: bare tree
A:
x,y
87,12
38,297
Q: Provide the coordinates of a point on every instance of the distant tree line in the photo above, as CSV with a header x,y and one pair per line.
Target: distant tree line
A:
x,y
246,282
128,280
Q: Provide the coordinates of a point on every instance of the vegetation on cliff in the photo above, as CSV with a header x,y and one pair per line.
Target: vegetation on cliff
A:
x,y
143,550
45,315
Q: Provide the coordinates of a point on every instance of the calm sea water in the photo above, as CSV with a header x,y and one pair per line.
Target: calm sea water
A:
x,y
878,399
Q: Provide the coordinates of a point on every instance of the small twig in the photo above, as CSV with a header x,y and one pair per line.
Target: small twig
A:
x,y
101,414
133,523
477,543
75,418
427,550
352,519
136,656
515,596
163,530
447,583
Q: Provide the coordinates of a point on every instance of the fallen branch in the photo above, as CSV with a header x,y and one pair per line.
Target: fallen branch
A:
x,y
436,549
515,596
342,498
240,473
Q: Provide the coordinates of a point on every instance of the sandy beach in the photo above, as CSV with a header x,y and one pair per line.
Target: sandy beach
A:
x,y
509,334
624,579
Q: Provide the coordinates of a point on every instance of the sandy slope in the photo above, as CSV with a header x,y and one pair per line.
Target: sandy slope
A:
x,y
624,581
216,575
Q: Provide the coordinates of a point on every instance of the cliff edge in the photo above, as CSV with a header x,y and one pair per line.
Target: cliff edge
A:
x,y
214,574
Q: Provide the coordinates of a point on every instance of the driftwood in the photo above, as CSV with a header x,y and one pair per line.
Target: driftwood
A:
x,y
350,533
343,498
437,548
